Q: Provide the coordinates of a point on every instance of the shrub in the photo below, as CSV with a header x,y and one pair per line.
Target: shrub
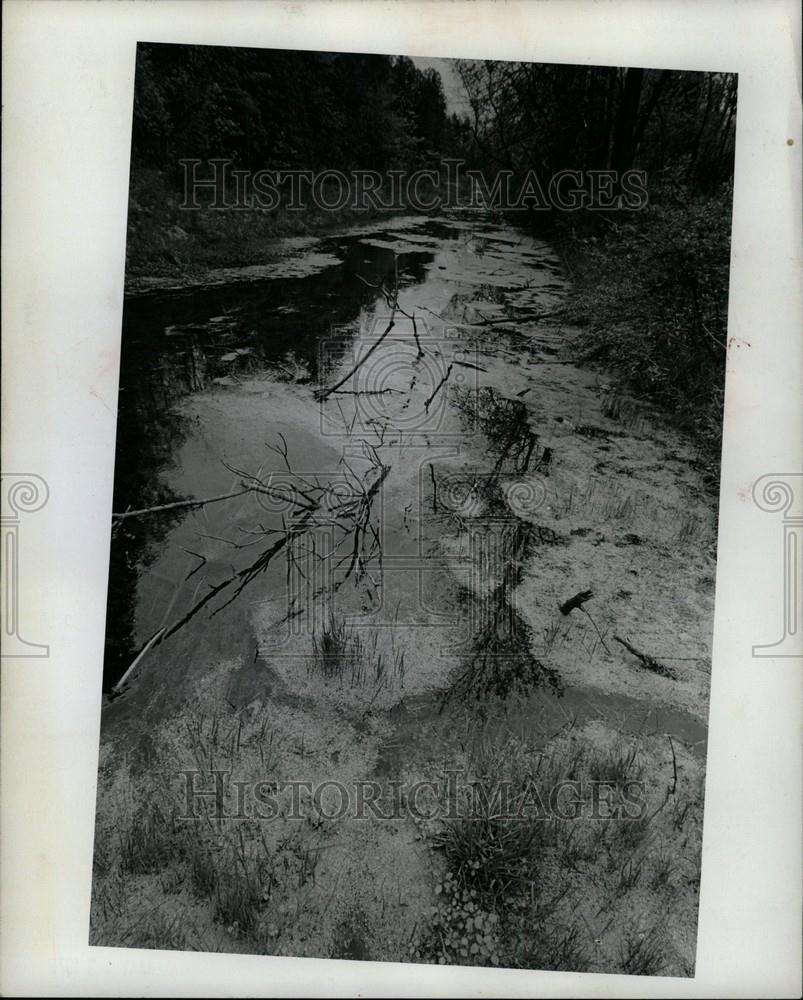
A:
x,y
653,292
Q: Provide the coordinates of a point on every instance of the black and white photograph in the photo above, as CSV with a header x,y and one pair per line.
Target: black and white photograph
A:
x,y
411,588
401,543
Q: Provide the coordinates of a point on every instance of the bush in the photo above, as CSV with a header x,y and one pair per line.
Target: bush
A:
x,y
653,292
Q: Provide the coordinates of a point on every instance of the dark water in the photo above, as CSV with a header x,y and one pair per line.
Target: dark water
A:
x,y
180,343
217,343
538,718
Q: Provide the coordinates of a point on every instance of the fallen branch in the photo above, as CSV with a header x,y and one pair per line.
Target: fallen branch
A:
x,y
179,504
321,506
468,364
362,392
647,661
411,316
151,642
434,488
674,767
438,387
363,359
576,602
393,303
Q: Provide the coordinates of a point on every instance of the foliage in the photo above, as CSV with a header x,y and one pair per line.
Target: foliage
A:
x,y
650,284
460,931
358,111
518,889
675,125
653,291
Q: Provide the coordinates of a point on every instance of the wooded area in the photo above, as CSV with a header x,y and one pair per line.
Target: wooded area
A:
x,y
678,126
651,285
286,110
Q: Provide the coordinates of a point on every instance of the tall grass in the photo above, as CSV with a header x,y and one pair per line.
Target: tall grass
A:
x,y
532,872
651,293
340,653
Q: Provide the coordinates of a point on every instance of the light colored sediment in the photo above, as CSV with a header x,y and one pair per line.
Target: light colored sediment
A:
x,y
621,510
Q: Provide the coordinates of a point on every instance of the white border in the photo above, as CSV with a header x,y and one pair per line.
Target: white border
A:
x,y
67,90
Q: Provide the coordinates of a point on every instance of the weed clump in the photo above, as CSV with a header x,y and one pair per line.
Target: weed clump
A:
x,y
341,654
516,888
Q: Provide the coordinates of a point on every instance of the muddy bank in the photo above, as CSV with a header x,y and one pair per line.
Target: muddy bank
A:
x,y
170,248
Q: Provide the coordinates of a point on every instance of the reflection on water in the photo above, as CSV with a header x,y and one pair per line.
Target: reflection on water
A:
x,y
219,344
176,344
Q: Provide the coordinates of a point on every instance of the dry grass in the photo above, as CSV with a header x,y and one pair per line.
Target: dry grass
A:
x,y
548,881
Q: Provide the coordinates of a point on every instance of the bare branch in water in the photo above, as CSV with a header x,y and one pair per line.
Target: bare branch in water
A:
x,y
363,359
179,504
438,387
321,506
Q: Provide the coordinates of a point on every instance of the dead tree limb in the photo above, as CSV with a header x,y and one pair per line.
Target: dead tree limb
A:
x,y
392,301
363,359
321,506
362,392
151,642
674,767
576,602
647,661
437,388
434,488
179,504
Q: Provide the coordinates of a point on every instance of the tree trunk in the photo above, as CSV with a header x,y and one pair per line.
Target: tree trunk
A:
x,y
623,143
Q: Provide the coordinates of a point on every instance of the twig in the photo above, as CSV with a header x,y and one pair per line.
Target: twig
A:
x,y
151,642
576,602
674,767
434,488
363,359
179,504
601,638
438,387
647,661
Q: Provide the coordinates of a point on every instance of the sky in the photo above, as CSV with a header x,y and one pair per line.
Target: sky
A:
x,y
456,99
